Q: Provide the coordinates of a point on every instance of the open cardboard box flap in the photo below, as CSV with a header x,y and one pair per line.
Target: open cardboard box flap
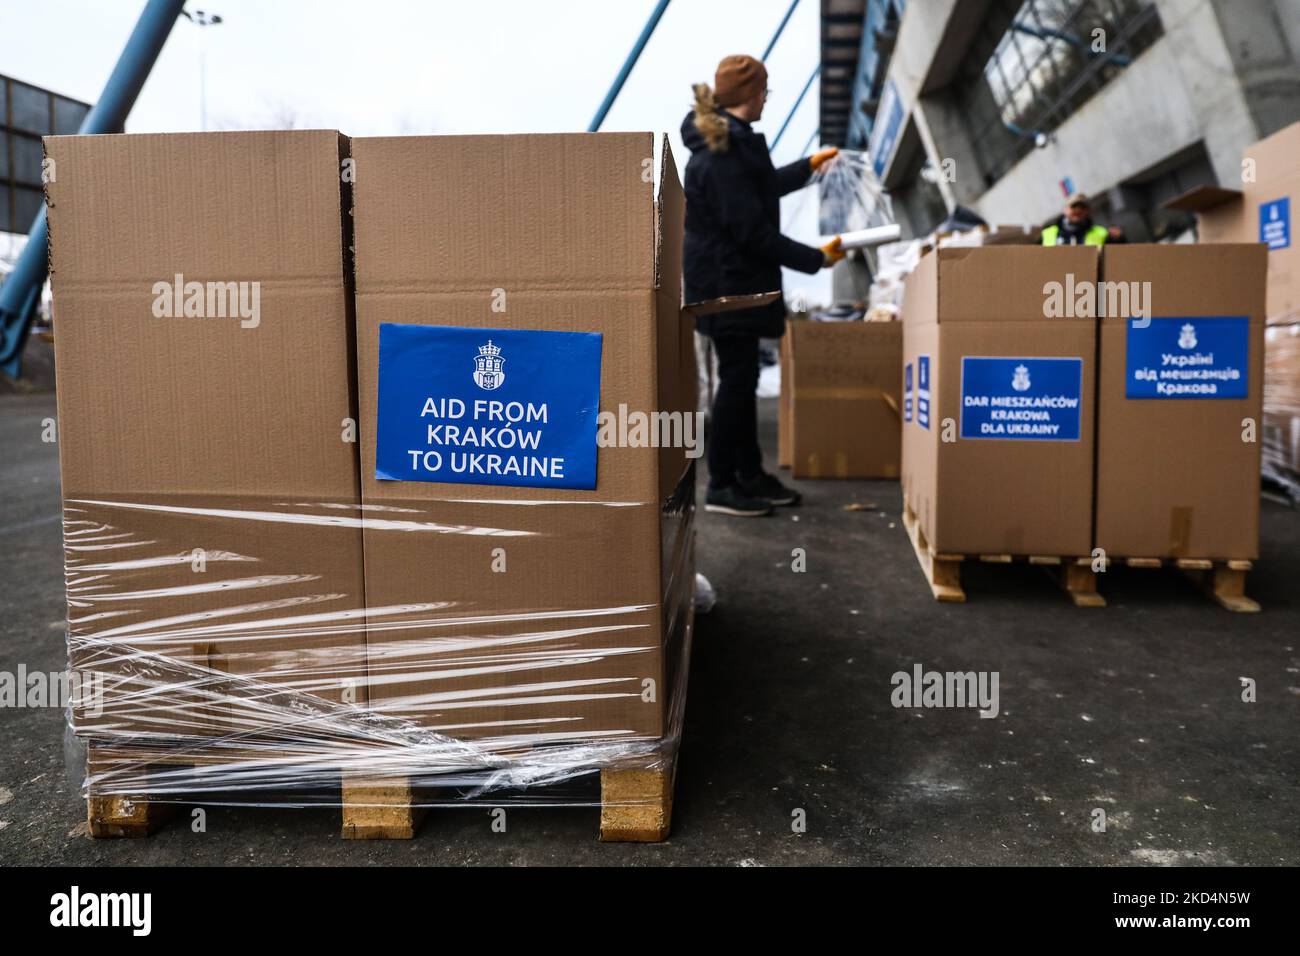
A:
x,y
1201,198
729,303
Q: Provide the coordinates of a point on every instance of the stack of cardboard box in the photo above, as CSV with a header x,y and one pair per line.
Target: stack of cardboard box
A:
x,y
537,610
1261,211
1025,433
283,524
999,401
1179,403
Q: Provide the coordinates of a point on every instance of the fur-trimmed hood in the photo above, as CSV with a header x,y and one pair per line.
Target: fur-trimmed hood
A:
x,y
707,125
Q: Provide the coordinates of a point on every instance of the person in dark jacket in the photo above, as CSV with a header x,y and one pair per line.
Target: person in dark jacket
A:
x,y
734,246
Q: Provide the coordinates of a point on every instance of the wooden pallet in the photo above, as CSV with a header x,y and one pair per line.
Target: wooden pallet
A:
x,y
1223,580
636,801
943,571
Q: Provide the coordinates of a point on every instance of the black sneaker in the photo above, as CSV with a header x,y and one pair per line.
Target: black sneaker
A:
x,y
767,486
729,501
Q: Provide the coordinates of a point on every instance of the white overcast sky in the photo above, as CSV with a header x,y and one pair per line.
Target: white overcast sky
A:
x,y
441,66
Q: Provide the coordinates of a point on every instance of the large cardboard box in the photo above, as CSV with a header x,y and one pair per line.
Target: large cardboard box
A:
x,y
1178,462
998,400
485,265
1262,210
203,344
841,399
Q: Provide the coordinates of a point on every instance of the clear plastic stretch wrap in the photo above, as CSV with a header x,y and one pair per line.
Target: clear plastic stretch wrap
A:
x,y
851,195
1281,445
252,670
389,489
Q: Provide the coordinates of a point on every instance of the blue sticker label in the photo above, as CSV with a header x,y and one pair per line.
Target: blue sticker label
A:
x,y
1189,358
1275,223
487,406
1021,399
907,392
923,391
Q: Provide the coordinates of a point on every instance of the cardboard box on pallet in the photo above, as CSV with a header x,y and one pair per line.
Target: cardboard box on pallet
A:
x,y
998,382
204,366
1262,210
841,399
524,284
1176,475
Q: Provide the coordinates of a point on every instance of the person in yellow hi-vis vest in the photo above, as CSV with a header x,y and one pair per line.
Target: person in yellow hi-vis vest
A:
x,y
1076,228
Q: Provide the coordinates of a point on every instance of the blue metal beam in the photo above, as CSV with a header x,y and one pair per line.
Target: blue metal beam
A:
x,y
802,93
815,134
1048,33
21,291
630,62
777,35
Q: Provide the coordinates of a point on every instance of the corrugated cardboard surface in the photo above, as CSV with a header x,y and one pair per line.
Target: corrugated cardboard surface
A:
x,y
919,463
1276,172
981,496
560,645
1174,477
175,433
195,405
678,381
841,417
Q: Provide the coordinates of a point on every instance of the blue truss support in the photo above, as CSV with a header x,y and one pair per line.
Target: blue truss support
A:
x,y
19,294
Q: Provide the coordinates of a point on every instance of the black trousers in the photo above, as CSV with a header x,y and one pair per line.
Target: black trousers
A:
x,y
733,425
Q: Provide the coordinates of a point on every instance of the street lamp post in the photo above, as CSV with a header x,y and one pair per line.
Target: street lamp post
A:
x,y
203,18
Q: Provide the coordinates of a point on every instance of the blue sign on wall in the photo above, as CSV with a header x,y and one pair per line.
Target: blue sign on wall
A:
x,y
923,391
487,406
907,392
889,119
1021,399
1205,357
1275,223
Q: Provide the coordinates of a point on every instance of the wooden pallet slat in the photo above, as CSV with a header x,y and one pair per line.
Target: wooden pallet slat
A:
x,y
942,572
636,805
1080,583
379,809
113,816
1226,585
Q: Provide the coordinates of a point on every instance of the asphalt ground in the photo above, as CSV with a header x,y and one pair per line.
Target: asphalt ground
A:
x,y
1135,710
